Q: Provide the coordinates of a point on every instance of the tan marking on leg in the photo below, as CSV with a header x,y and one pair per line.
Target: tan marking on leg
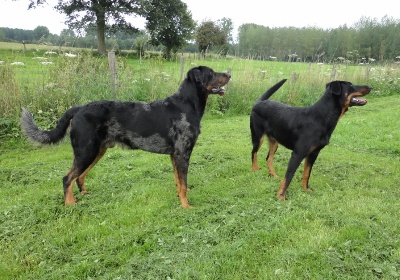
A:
x,y
182,193
82,177
306,175
69,197
176,178
254,165
181,185
273,146
281,194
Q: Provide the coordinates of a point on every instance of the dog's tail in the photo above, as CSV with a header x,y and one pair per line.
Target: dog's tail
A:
x,y
271,91
35,134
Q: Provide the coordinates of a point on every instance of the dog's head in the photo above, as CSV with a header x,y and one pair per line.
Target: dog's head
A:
x,y
348,94
211,82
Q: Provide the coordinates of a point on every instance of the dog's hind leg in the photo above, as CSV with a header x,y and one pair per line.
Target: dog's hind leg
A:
x,y
254,159
181,166
86,156
81,178
272,146
68,184
257,139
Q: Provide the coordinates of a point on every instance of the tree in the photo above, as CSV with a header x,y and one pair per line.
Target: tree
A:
x,y
226,24
2,35
140,44
40,32
67,37
169,23
107,15
209,35
340,41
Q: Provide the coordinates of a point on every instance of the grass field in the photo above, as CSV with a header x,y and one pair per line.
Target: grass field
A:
x,y
132,227
48,84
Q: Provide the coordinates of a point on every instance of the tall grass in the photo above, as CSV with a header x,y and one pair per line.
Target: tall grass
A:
x,y
49,89
9,88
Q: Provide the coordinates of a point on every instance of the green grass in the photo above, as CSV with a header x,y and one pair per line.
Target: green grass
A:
x,y
131,225
70,81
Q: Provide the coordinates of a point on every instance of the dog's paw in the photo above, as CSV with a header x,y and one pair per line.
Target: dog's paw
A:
x,y
70,201
281,196
274,175
306,188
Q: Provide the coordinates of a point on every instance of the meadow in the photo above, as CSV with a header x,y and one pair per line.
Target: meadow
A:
x,y
131,225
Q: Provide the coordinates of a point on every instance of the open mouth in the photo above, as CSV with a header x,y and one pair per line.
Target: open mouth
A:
x,y
218,90
354,101
356,98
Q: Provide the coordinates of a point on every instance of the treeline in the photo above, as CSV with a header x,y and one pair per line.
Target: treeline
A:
x,y
67,38
368,40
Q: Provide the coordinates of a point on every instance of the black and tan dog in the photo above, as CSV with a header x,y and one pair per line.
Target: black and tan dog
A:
x,y
169,126
304,130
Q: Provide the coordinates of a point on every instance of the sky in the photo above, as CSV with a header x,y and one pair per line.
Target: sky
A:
x,y
277,13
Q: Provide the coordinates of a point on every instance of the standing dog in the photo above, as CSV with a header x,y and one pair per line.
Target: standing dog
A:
x,y
304,130
169,126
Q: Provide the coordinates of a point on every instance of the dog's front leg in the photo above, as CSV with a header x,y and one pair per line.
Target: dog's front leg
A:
x,y
308,164
181,165
176,180
294,163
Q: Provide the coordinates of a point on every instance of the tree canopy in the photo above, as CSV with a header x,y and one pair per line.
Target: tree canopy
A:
x,y
40,32
209,35
169,22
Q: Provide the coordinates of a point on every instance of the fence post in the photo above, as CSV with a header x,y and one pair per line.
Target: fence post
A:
x,y
293,77
182,67
113,72
333,73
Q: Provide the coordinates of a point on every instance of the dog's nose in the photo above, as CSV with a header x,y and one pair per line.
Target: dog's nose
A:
x,y
228,75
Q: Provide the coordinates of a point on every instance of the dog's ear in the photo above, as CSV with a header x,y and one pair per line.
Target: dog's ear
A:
x,y
334,87
195,75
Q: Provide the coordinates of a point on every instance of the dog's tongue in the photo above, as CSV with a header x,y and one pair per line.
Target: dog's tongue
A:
x,y
219,90
358,101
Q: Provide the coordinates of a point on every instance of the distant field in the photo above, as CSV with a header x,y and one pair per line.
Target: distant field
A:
x,y
29,47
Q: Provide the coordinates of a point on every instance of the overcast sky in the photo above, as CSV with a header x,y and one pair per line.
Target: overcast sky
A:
x,y
276,13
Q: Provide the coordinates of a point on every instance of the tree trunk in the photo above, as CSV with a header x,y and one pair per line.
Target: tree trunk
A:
x,y
167,53
101,26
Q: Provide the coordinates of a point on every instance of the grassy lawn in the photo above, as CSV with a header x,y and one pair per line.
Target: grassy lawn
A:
x,y
131,225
